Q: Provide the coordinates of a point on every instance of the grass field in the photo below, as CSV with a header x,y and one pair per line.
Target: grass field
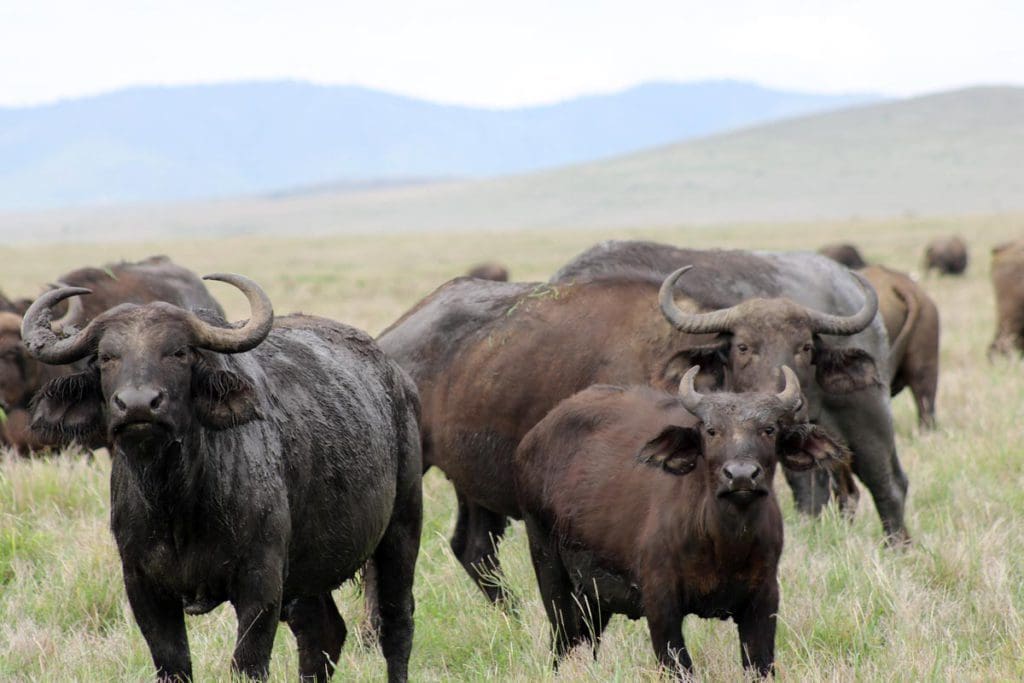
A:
x,y
949,607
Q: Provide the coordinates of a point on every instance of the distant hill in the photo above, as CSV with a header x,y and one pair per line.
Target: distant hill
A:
x,y
952,153
173,143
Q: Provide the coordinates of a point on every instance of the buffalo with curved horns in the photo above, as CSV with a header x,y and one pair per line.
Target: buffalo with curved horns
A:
x,y
259,464
644,503
21,376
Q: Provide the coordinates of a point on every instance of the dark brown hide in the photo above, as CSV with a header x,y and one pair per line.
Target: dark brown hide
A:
x,y
912,321
1008,285
634,506
948,255
847,254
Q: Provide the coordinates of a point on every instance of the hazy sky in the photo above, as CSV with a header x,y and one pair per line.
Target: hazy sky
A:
x,y
508,53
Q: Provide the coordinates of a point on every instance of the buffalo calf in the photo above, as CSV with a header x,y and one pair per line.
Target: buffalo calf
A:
x,y
644,503
259,464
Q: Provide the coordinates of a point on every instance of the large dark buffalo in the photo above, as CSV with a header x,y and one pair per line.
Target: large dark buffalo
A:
x,y
260,465
844,253
912,322
634,506
21,376
1008,285
948,255
491,359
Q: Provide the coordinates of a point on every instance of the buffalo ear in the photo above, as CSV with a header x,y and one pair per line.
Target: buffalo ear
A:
x,y
803,446
712,361
843,371
70,408
675,450
222,399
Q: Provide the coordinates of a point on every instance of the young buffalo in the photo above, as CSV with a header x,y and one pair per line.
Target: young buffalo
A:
x,y
634,506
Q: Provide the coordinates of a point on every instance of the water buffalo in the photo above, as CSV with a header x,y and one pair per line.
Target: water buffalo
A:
x,y
489,271
847,254
21,376
1008,284
635,506
491,359
948,255
259,464
912,321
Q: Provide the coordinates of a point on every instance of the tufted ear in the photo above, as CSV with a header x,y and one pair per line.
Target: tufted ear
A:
x,y
70,408
843,371
222,399
803,446
675,450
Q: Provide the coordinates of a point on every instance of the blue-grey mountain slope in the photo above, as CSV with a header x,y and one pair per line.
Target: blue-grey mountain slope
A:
x,y
173,143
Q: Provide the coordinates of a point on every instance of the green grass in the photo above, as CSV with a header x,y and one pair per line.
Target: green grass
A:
x,y
949,607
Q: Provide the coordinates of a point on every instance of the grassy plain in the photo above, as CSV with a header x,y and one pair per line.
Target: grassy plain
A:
x,y
950,607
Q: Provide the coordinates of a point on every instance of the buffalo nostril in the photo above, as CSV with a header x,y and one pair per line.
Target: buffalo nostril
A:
x,y
756,472
157,400
728,473
119,403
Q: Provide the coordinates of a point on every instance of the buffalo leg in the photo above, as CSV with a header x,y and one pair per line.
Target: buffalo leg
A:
x,y
479,556
756,625
320,634
555,589
665,621
867,427
257,603
594,618
811,489
395,561
461,533
162,621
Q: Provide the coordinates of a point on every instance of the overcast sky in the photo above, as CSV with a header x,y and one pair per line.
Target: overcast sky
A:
x,y
508,53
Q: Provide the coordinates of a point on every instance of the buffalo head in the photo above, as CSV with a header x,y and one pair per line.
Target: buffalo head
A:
x,y
148,376
741,438
758,336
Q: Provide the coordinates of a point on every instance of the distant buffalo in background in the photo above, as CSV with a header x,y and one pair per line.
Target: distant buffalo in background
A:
x,y
912,322
1008,283
948,255
489,271
844,253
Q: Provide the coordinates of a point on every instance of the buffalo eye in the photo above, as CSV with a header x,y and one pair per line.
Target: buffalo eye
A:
x,y
106,358
711,431
180,353
808,347
742,348
768,431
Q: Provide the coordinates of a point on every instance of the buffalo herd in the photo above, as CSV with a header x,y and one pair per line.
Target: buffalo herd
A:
x,y
631,410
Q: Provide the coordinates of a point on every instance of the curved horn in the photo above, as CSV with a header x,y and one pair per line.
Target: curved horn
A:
x,y
75,312
690,397
692,323
790,395
40,339
823,323
231,339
